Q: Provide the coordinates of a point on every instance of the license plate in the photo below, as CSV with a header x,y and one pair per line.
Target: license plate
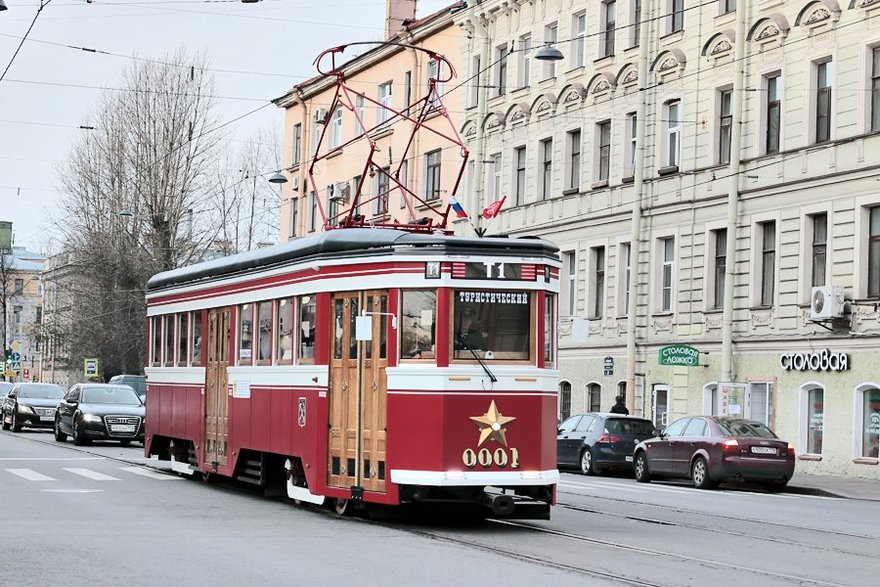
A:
x,y
629,458
46,418
764,450
121,427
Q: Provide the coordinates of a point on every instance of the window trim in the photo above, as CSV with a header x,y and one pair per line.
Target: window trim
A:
x,y
573,148
803,433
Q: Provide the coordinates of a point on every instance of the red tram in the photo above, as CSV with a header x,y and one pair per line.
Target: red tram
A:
x,y
363,365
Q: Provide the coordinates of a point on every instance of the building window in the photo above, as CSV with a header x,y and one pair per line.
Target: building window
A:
x,y
869,403
673,133
720,269
336,128
519,183
403,180
676,15
875,88
623,278
667,272
760,403
294,213
727,6
407,89
524,70
874,252
435,70
19,286
476,74
297,143
636,22
814,424
767,234
546,167
774,112
432,175
818,252
313,212
359,123
385,99
598,262
578,33
603,132
631,130
609,17
569,292
494,187
38,318
824,73
725,124
551,33
501,70
594,391
383,186
573,169
564,400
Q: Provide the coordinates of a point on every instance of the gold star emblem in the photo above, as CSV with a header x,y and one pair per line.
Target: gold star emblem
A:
x,y
491,425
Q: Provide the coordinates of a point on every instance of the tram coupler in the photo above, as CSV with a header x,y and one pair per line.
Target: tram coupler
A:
x,y
501,505
357,493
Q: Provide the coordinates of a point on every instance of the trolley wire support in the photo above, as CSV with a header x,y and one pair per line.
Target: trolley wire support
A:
x,y
424,213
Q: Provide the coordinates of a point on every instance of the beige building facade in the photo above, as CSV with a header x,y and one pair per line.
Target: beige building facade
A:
x,y
385,78
711,173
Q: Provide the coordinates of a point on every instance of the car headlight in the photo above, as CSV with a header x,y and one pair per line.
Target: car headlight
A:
x,y
91,418
22,409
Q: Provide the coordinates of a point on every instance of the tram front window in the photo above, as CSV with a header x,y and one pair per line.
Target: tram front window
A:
x,y
495,325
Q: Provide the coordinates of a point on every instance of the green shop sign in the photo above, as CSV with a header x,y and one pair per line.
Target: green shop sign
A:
x,y
679,354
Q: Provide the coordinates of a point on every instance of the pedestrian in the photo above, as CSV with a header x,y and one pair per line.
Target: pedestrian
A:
x,y
619,407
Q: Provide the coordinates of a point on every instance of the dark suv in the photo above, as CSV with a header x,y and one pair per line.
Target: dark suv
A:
x,y
598,441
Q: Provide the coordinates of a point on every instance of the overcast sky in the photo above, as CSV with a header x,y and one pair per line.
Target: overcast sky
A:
x,y
53,85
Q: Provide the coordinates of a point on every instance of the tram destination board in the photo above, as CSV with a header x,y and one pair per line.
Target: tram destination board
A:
x,y
495,271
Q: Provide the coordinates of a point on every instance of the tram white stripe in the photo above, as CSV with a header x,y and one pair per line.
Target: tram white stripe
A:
x,y
88,473
30,475
150,473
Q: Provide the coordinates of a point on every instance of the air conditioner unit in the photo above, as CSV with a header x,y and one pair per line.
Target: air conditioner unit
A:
x,y
826,302
294,183
320,115
341,191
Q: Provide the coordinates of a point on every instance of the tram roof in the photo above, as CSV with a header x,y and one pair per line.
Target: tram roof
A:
x,y
350,242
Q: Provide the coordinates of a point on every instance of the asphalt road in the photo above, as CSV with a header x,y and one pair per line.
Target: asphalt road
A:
x,y
101,515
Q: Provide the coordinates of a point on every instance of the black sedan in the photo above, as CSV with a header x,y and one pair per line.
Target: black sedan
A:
x,y
710,449
98,411
30,405
597,441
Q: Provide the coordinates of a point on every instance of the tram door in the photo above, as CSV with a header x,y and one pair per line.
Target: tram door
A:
x,y
358,392
216,394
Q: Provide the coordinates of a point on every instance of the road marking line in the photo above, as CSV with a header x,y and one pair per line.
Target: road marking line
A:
x,y
575,486
150,473
30,475
73,490
53,459
94,475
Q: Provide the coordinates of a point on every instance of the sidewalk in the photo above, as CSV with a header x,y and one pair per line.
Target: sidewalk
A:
x,y
826,485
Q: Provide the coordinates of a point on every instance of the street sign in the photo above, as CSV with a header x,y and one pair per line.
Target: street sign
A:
x,y
15,346
90,367
16,366
608,366
16,357
679,354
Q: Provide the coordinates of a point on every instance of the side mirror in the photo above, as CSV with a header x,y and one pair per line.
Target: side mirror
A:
x,y
661,432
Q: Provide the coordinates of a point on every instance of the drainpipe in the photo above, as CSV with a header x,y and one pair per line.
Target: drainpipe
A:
x,y
733,194
639,198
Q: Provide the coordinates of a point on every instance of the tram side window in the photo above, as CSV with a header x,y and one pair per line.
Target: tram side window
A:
x,y
169,340
156,347
549,329
245,333
306,330
182,339
494,325
418,324
264,333
196,338
284,331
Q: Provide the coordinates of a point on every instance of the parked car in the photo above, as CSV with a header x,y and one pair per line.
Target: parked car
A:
x,y
710,449
596,441
100,411
30,405
136,382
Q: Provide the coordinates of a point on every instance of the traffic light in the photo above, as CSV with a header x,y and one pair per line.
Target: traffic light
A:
x,y
8,356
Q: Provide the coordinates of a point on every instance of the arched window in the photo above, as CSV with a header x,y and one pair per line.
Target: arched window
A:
x,y
564,400
594,391
621,389
812,419
868,417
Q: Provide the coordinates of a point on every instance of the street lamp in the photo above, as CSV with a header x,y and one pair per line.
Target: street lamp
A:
x,y
548,53
276,177
2,5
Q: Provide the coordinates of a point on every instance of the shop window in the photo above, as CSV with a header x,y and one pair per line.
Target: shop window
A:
x,y
812,420
869,429
418,324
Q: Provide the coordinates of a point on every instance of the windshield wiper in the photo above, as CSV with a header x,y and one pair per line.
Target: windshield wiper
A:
x,y
465,346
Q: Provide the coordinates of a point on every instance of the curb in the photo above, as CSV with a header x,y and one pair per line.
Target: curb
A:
x,y
801,490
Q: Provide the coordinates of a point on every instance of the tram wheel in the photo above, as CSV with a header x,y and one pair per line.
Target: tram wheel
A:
x,y
342,507
205,476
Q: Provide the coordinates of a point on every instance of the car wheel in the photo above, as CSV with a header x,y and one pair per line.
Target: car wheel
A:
x,y
59,435
16,426
78,438
700,474
640,468
3,418
587,466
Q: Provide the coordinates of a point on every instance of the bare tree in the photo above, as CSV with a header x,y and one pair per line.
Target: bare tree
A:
x,y
129,191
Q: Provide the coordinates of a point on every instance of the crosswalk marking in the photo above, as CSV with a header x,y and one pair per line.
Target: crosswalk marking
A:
x,y
30,475
88,473
150,473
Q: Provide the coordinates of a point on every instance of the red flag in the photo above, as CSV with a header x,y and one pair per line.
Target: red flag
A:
x,y
492,210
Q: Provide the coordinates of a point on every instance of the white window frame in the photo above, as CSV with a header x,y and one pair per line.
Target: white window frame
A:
x,y
297,143
573,158
710,262
578,43
764,126
757,265
500,70
386,99
664,420
593,391
569,286
660,263
671,9
551,36
635,19
630,140
672,128
721,118
493,180
336,128
608,22
623,278
858,419
546,168
603,171
769,402
524,67
476,76
519,184
804,416
359,106
598,281
812,98
862,245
